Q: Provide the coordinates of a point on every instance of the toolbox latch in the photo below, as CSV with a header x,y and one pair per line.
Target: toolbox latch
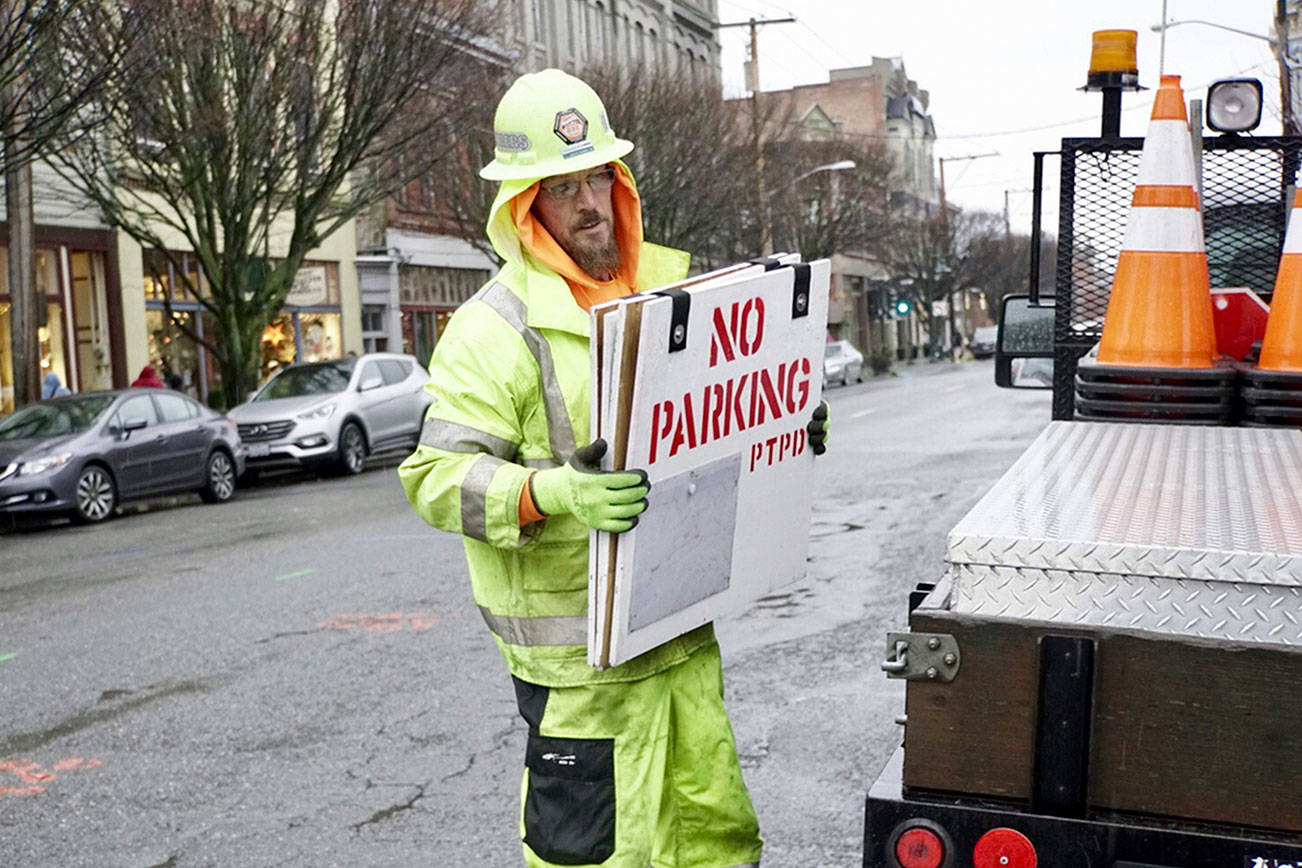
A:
x,y
921,656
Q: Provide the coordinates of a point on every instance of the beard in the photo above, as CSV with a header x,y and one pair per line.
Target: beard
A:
x,y
598,259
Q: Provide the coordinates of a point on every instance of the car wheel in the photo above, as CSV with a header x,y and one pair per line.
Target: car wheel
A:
x,y
858,374
95,495
218,478
352,450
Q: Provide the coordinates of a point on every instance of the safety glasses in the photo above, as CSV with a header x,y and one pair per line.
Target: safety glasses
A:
x,y
598,182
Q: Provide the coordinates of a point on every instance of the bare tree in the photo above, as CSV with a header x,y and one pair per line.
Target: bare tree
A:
x,y
51,70
686,154
998,262
256,129
928,256
55,56
822,213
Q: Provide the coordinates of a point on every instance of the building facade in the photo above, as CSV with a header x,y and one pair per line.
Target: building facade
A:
x,y
674,36
105,309
413,268
877,102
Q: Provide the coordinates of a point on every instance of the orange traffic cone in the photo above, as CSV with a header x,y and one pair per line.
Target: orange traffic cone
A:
x,y
1281,348
1160,311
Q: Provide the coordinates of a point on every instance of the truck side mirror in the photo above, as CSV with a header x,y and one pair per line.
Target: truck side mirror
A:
x,y
1024,347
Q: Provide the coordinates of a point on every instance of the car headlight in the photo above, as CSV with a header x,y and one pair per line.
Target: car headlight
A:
x,y
41,465
322,412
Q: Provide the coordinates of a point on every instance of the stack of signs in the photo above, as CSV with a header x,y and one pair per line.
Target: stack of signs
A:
x,y
708,386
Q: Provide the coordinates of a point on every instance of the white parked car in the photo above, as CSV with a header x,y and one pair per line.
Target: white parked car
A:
x,y
842,363
983,342
333,414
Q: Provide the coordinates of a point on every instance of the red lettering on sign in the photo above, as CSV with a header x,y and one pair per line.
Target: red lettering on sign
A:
x,y
741,331
735,404
721,340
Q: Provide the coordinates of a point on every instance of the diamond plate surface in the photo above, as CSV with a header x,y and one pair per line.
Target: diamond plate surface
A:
x,y
1234,612
1206,503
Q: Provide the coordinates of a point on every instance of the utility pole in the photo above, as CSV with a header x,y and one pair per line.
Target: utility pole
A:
x,y
1008,224
756,128
1291,125
24,312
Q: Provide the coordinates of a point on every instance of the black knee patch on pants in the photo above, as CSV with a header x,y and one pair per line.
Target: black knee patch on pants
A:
x,y
569,809
531,700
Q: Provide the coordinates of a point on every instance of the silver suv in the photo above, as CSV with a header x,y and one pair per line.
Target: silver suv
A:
x,y
333,414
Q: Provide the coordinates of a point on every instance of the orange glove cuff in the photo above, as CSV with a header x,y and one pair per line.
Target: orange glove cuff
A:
x,y
529,512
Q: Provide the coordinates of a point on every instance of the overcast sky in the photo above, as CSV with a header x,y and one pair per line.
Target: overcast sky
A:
x,y
1003,74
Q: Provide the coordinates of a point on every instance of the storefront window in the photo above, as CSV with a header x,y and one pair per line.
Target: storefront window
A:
x,y
277,346
161,274
171,350
320,335
6,362
52,348
420,331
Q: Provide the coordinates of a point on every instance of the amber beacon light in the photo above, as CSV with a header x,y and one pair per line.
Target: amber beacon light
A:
x,y
1112,59
1113,69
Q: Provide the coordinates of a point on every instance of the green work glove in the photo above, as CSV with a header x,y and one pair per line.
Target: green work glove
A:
x,y
817,429
609,501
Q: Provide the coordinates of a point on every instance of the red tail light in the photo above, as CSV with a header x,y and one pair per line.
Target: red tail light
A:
x,y
919,847
1004,848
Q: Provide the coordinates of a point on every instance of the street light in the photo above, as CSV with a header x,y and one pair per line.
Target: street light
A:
x,y
1158,28
766,227
838,166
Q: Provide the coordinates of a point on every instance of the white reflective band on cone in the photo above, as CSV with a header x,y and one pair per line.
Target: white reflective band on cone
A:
x,y
1164,230
1167,159
1293,237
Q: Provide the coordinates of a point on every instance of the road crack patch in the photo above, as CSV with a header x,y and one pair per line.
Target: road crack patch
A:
x,y
393,810
26,742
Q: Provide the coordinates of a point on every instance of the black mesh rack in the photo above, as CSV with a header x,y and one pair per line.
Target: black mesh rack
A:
x,y
1247,181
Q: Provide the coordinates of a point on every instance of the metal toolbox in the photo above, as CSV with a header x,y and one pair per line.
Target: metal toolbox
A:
x,y
1119,628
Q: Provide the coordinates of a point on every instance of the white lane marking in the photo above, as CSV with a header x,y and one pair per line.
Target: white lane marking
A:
x,y
952,389
860,414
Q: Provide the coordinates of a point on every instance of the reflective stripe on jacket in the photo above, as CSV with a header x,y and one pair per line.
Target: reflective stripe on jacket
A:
x,y
510,381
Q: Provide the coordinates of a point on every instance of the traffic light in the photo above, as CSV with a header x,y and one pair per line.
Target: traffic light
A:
x,y
903,306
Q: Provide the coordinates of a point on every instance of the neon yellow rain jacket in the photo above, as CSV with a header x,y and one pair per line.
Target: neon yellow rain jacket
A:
x,y
510,380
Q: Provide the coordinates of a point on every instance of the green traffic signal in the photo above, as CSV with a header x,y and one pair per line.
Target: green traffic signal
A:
x,y
902,307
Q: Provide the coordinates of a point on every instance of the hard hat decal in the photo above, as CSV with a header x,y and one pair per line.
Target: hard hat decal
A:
x,y
514,142
583,147
571,126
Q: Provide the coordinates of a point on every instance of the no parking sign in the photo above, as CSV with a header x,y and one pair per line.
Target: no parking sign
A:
x,y
708,386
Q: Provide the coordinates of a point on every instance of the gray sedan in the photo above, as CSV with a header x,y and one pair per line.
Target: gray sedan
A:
x,y
84,454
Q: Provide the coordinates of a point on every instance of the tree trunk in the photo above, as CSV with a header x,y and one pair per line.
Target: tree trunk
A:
x,y
239,367
25,310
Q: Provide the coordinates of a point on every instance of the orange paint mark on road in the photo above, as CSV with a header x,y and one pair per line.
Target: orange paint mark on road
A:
x,y
37,778
381,622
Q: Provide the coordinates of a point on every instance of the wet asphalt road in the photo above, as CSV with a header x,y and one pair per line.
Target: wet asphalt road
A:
x,y
299,677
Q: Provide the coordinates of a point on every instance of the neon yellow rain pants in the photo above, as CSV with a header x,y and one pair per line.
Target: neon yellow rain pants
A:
x,y
636,773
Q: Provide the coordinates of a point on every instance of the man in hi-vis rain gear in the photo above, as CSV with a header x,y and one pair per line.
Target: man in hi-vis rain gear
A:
x,y
633,765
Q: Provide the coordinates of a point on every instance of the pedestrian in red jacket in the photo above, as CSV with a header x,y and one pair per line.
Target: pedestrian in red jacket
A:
x,y
149,377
